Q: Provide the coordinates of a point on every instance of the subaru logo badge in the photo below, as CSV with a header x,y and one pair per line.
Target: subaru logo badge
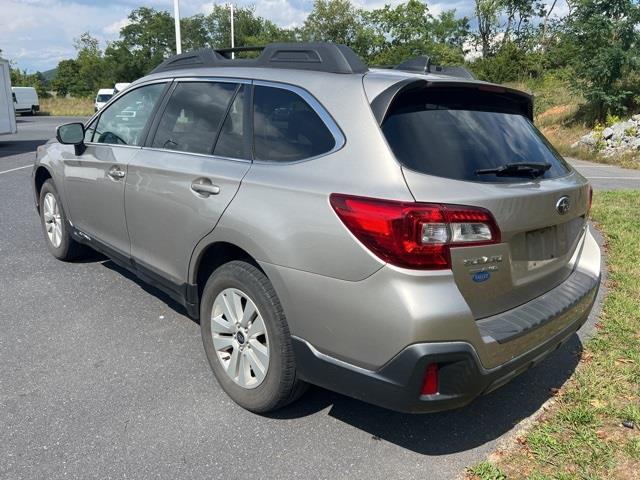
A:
x,y
563,204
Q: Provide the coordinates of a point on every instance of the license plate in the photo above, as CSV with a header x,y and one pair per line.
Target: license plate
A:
x,y
542,244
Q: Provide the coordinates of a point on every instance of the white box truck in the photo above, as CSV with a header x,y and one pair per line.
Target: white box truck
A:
x,y
7,112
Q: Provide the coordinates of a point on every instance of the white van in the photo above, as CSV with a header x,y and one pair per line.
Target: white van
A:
x,y
120,86
103,96
7,113
26,100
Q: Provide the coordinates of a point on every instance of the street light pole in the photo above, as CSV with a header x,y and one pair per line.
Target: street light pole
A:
x,y
176,15
233,55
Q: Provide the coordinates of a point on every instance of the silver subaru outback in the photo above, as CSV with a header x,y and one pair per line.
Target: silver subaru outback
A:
x,y
406,237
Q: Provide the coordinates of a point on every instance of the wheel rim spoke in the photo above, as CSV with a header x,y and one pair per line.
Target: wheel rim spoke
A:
x,y
257,328
240,338
248,314
227,308
220,325
236,305
232,365
223,342
257,367
260,351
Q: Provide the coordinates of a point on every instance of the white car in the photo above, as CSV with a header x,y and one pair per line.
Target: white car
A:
x,y
103,96
26,100
7,114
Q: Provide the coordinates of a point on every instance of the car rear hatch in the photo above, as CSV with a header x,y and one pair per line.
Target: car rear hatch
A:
x,y
449,138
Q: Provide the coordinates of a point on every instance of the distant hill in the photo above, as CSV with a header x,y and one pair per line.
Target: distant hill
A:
x,y
49,74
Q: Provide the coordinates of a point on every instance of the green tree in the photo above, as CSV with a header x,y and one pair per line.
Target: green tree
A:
x,y
409,30
149,37
249,29
66,76
332,21
91,67
602,39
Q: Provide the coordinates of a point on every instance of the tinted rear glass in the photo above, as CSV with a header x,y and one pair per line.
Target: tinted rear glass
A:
x,y
452,133
286,128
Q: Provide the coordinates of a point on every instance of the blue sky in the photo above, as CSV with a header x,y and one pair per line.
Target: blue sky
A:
x,y
37,34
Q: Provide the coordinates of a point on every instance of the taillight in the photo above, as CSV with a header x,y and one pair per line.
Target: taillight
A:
x,y
414,235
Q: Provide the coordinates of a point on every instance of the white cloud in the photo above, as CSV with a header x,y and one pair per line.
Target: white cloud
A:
x,y
51,26
115,27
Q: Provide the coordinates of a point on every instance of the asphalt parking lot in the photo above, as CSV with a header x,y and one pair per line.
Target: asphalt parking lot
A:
x,y
105,377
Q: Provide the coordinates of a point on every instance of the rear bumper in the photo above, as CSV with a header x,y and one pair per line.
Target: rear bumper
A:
x,y
397,384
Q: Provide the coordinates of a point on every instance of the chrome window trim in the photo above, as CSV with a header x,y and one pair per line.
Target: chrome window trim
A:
x,y
205,155
318,108
115,97
213,79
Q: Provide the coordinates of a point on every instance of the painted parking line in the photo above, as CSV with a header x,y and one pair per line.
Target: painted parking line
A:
x,y
14,169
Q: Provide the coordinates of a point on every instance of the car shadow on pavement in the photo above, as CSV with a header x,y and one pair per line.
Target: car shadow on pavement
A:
x,y
150,289
15,147
484,420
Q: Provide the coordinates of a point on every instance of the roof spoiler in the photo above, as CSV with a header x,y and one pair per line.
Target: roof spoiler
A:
x,y
381,104
423,65
316,56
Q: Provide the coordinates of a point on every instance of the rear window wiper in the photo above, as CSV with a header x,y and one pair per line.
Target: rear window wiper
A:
x,y
517,170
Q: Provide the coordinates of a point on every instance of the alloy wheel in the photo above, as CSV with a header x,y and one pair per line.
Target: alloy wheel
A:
x,y
240,338
52,220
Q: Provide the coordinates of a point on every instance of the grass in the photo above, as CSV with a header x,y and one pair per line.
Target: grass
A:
x,y
581,436
77,107
559,114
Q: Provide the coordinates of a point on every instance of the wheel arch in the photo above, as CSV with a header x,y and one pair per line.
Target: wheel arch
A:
x,y
41,175
213,256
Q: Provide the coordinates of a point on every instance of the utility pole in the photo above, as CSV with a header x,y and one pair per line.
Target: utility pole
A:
x,y
233,55
176,15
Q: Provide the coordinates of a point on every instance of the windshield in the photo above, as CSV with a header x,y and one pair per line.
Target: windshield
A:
x,y
453,133
104,97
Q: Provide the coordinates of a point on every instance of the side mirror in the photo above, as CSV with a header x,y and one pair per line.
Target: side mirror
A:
x,y
72,134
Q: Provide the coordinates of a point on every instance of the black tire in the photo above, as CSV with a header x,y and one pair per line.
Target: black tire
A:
x,y
68,249
33,111
280,385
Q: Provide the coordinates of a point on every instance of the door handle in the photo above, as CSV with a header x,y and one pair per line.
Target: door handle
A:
x,y
205,187
116,173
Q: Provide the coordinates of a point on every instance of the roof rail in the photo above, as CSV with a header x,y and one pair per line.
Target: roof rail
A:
x,y
317,56
423,65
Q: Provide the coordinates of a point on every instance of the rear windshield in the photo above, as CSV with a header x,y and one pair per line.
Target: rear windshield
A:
x,y
452,133
104,97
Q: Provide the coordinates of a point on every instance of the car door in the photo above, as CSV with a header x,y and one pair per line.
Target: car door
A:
x,y
94,180
180,183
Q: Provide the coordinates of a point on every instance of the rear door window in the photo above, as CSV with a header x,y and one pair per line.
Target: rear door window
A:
x,y
231,141
286,128
192,118
452,133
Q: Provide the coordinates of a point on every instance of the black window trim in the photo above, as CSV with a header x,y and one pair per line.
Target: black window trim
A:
x,y
319,110
150,120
